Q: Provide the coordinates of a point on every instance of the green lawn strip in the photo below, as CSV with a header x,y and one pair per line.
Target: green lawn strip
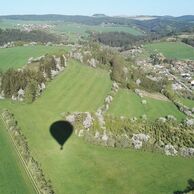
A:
x,y
15,177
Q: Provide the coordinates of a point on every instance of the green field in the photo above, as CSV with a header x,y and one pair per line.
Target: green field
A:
x,y
84,168
172,50
8,23
81,28
73,30
187,102
127,103
13,178
17,57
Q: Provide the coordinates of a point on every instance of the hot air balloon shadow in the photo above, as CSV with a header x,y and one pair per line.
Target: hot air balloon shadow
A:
x,y
61,131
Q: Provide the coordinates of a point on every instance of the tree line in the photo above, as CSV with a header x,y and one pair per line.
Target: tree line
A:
x,y
42,183
28,80
188,41
11,35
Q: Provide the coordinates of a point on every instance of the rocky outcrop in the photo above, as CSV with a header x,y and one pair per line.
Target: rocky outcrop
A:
x,y
170,150
186,152
139,139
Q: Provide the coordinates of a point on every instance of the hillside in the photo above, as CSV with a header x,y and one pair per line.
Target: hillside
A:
x,y
108,109
75,90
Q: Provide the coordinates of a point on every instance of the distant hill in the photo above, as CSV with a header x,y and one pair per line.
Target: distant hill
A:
x,y
159,25
186,18
99,15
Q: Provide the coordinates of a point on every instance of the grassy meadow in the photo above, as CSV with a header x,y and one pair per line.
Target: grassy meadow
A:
x,y
17,57
84,168
13,178
187,102
72,30
127,103
8,23
81,28
172,50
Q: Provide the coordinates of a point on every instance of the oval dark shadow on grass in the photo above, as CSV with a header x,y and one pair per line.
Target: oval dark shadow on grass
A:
x,y
61,131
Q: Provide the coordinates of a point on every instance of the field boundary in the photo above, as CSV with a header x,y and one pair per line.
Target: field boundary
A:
x,y
22,160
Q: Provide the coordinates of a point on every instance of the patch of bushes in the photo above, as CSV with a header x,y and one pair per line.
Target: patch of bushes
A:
x,y
123,132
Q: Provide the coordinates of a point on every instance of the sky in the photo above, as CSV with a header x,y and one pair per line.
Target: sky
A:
x,y
90,7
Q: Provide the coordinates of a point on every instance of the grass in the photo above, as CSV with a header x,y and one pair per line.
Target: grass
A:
x,y
81,28
8,23
84,168
187,102
127,103
73,29
13,176
17,57
173,50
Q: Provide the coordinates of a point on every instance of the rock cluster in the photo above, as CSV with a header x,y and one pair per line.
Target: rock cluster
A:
x,y
170,150
88,121
34,60
189,122
187,152
20,95
139,93
92,62
139,139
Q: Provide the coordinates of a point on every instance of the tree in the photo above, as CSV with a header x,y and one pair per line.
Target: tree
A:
x,y
31,91
118,65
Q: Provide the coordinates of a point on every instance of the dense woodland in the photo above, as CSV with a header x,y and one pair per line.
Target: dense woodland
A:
x,y
10,35
119,39
188,41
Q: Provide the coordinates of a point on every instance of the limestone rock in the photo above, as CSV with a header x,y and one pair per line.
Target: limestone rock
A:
x,y
187,152
87,123
70,118
170,150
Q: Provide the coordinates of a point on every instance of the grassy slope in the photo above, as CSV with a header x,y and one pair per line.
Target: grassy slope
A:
x,y
84,168
187,102
129,104
172,50
12,175
18,56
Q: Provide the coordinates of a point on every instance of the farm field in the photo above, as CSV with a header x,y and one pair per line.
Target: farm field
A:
x,y
13,177
84,168
72,30
17,57
81,28
172,50
127,103
8,23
